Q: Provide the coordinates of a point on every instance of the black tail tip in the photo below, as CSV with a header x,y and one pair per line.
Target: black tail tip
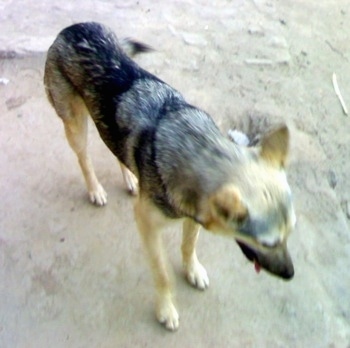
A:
x,y
140,47
133,47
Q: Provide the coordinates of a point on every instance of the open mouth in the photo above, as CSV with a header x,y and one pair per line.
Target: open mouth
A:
x,y
276,261
251,255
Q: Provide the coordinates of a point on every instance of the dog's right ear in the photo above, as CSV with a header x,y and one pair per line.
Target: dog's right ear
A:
x,y
225,206
275,147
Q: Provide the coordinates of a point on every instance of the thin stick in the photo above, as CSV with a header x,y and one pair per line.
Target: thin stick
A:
x,y
337,92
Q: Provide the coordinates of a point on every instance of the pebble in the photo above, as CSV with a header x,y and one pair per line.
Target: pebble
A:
x,y
348,210
332,179
278,42
256,31
194,39
257,61
15,102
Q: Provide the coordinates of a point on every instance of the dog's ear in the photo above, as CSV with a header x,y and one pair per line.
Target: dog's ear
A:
x,y
225,206
275,147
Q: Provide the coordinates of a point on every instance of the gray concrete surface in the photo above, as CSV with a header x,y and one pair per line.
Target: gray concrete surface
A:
x,y
73,275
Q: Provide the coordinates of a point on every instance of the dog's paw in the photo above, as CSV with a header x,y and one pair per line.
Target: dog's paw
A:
x,y
167,315
197,275
132,184
98,196
131,181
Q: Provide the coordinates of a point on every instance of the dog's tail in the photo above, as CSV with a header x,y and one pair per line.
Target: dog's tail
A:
x,y
132,47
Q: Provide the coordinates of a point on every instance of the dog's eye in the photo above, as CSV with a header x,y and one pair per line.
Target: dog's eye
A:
x,y
223,212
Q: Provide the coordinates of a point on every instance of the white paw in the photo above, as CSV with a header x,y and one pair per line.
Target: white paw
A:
x,y
98,196
167,315
131,182
197,275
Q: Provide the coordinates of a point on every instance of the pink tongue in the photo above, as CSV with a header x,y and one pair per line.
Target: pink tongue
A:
x,y
257,266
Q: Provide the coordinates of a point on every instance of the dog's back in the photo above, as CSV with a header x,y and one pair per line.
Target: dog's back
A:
x,y
88,55
87,62
146,123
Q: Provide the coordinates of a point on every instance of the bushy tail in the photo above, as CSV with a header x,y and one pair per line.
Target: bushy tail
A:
x,y
132,47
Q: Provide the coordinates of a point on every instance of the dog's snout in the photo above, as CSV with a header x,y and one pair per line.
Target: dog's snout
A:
x,y
277,262
288,273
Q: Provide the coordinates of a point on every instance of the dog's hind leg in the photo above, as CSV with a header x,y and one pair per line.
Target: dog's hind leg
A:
x,y
150,223
195,272
75,125
130,179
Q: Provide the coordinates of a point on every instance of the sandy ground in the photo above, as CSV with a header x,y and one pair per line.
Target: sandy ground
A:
x,y
72,275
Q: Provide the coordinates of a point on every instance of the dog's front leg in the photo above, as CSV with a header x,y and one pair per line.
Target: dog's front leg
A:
x,y
195,272
150,222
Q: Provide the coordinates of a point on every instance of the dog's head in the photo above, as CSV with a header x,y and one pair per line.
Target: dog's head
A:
x,y
256,206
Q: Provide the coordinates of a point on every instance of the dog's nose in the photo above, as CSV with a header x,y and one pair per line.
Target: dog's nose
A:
x,y
288,273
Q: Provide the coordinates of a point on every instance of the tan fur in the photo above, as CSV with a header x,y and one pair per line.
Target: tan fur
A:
x,y
74,116
150,223
224,205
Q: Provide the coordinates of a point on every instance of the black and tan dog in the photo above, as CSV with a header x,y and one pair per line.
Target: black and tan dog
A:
x,y
174,155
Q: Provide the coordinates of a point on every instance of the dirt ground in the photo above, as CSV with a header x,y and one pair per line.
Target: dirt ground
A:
x,y
73,275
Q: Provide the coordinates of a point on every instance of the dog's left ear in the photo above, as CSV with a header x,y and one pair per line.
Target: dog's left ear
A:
x,y
275,147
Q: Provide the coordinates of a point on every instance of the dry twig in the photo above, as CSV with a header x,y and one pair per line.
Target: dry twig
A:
x,y
337,92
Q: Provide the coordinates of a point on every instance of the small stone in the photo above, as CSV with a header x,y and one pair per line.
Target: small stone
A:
x,y
345,205
15,102
283,22
256,31
257,61
194,39
332,179
347,209
278,42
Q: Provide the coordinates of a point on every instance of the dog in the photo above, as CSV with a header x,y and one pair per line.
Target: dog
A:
x,y
173,158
